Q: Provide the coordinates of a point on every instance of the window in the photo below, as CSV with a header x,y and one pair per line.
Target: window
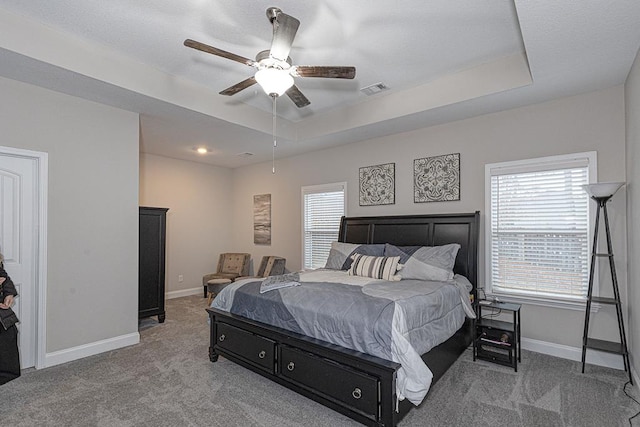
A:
x,y
322,208
537,227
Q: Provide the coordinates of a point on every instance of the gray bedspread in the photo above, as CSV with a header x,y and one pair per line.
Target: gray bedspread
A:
x,y
396,321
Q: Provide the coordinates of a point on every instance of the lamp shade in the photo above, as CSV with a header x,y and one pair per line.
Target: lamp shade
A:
x,y
602,189
274,81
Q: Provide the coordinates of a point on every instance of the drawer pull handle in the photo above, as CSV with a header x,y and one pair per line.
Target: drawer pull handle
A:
x,y
262,354
222,337
291,366
357,393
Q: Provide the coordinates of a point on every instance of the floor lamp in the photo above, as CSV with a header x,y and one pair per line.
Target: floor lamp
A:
x,y
601,193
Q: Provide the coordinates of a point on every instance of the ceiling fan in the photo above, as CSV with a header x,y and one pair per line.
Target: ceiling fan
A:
x,y
275,71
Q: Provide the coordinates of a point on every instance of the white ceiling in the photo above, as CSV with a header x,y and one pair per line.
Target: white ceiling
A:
x,y
443,60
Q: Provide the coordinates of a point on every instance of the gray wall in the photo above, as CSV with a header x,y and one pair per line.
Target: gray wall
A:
x,y
93,196
92,209
590,122
632,98
199,218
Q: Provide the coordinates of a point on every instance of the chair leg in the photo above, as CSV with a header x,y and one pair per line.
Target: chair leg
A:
x,y
209,298
205,291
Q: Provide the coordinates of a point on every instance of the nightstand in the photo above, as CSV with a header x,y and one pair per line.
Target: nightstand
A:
x,y
497,341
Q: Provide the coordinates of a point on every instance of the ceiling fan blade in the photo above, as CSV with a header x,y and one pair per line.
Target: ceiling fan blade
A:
x,y
219,52
297,97
284,31
239,86
326,72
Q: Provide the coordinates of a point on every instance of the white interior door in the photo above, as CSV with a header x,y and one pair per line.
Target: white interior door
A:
x,y
18,243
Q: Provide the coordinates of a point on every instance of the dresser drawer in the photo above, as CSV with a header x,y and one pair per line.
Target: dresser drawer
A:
x,y
257,350
329,379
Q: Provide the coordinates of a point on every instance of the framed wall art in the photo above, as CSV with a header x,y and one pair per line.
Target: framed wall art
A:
x,y
262,219
436,179
378,185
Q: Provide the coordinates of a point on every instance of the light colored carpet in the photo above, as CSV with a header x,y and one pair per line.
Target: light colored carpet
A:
x,y
167,380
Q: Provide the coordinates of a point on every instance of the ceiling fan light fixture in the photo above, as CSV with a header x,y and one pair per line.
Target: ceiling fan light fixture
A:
x,y
275,72
274,81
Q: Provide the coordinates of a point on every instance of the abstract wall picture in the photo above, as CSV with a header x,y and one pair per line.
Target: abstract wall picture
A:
x,y
262,219
436,179
378,185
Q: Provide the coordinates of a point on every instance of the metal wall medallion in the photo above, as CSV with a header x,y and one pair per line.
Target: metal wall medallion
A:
x,y
378,185
436,179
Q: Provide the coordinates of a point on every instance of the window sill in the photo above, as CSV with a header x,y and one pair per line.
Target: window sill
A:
x,y
576,305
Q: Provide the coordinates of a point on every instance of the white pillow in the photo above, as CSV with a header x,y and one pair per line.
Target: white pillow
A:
x,y
376,267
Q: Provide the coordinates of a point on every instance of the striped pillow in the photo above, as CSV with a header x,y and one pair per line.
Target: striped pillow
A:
x,y
376,267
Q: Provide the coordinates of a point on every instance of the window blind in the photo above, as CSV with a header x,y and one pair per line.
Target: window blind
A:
x,y
540,230
322,210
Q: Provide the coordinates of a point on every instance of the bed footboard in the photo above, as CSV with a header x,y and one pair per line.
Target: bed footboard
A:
x,y
358,385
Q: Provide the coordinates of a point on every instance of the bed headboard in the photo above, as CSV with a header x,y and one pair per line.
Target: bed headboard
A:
x,y
421,230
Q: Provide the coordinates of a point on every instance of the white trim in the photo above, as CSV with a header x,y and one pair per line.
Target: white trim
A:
x,y
319,188
325,188
594,357
40,266
545,302
91,349
560,161
489,169
43,200
183,293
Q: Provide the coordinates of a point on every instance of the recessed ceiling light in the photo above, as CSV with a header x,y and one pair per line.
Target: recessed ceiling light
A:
x,y
202,150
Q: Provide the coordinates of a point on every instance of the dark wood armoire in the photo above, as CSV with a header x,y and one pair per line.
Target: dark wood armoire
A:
x,y
151,255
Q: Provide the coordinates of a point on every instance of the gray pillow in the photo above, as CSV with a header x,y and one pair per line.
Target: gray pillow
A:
x,y
340,254
425,262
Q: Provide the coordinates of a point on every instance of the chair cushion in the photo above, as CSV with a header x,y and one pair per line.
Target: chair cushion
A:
x,y
278,267
233,264
269,266
218,282
216,285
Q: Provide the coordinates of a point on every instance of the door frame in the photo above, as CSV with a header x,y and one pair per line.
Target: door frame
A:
x,y
41,160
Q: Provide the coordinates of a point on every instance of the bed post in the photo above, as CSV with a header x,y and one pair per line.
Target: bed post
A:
x,y
388,398
213,356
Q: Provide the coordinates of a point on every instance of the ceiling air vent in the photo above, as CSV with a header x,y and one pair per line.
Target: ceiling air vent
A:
x,y
374,88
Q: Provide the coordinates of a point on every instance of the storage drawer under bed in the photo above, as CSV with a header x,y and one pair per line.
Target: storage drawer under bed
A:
x,y
329,379
257,350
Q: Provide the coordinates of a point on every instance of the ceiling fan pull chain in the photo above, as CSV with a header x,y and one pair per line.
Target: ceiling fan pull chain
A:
x,y
275,144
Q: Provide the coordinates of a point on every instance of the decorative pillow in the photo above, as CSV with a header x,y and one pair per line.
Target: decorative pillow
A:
x,y
376,267
340,254
425,262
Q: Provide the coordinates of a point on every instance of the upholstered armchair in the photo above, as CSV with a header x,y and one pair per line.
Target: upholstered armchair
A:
x,y
269,266
230,266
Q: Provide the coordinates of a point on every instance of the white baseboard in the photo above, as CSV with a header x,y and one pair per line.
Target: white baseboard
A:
x,y
594,357
86,350
184,293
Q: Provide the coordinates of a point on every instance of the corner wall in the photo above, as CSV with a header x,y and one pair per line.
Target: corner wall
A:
x,y
92,280
632,101
199,217
589,122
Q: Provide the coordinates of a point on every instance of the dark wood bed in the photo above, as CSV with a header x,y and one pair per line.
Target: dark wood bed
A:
x,y
358,385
